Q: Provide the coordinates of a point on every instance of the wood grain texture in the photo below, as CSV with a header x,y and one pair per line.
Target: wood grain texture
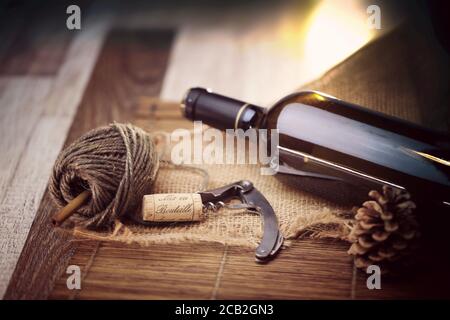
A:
x,y
207,271
187,274
19,196
130,69
308,269
385,76
38,45
131,65
33,127
427,279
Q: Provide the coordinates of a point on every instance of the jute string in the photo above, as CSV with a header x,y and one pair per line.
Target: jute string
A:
x,y
121,163
301,214
117,163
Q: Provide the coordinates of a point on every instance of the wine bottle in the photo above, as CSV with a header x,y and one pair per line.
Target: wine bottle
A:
x,y
323,137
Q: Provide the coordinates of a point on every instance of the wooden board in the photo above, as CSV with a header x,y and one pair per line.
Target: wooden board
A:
x,y
36,112
206,271
99,106
45,69
130,68
36,41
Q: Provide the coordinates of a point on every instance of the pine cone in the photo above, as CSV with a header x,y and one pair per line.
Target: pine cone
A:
x,y
385,230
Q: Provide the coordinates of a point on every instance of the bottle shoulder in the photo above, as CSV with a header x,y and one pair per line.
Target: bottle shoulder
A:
x,y
312,97
305,97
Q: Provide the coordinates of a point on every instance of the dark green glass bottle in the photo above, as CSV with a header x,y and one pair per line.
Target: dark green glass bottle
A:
x,y
335,141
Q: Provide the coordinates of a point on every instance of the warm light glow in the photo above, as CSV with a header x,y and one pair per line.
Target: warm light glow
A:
x,y
432,158
318,96
335,30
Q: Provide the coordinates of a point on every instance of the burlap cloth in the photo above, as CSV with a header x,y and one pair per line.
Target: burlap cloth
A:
x,y
404,74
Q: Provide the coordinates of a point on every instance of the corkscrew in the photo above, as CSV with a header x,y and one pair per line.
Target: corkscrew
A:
x,y
178,207
252,200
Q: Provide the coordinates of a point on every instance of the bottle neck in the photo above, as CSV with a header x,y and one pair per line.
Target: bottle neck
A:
x,y
219,111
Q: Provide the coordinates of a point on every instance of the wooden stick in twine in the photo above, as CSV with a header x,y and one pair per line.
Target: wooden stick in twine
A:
x,y
70,208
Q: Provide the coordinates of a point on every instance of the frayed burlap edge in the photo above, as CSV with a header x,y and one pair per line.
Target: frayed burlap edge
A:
x,y
325,225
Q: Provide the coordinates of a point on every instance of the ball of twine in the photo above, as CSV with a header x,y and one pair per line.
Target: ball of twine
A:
x,y
117,163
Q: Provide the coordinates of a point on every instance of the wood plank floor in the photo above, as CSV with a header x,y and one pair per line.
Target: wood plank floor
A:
x,y
36,113
44,69
122,78
208,271
131,66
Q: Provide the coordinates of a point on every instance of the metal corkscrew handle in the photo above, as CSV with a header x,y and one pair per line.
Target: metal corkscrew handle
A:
x,y
185,207
252,200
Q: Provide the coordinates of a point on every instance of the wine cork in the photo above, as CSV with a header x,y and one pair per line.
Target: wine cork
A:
x,y
172,207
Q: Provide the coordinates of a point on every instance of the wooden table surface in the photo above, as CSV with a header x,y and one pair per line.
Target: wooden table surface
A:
x,y
52,93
